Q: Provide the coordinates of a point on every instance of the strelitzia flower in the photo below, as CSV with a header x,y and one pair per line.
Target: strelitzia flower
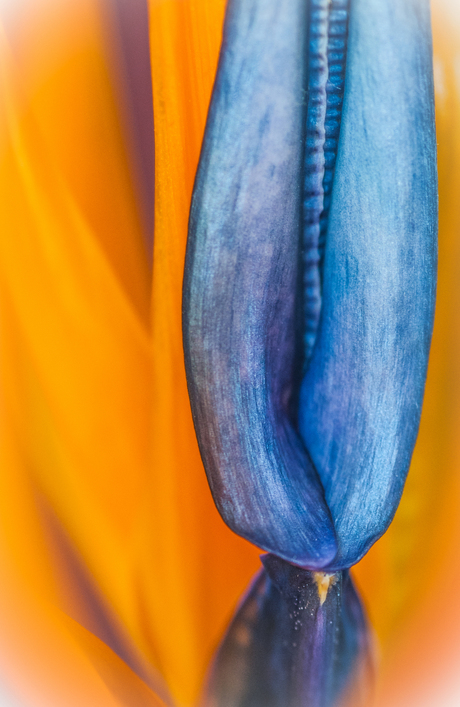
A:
x,y
118,576
294,257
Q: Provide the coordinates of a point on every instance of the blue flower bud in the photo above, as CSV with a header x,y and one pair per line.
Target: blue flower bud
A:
x,y
310,271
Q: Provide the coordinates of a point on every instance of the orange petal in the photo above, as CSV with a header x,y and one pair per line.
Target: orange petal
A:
x,y
75,364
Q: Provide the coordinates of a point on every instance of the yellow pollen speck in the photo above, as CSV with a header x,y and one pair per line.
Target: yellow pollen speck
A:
x,y
323,582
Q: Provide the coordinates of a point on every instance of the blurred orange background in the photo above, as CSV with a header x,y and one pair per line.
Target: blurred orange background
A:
x,y
118,576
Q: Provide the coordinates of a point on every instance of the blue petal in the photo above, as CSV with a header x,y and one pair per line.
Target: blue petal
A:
x,y
362,394
241,287
284,648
